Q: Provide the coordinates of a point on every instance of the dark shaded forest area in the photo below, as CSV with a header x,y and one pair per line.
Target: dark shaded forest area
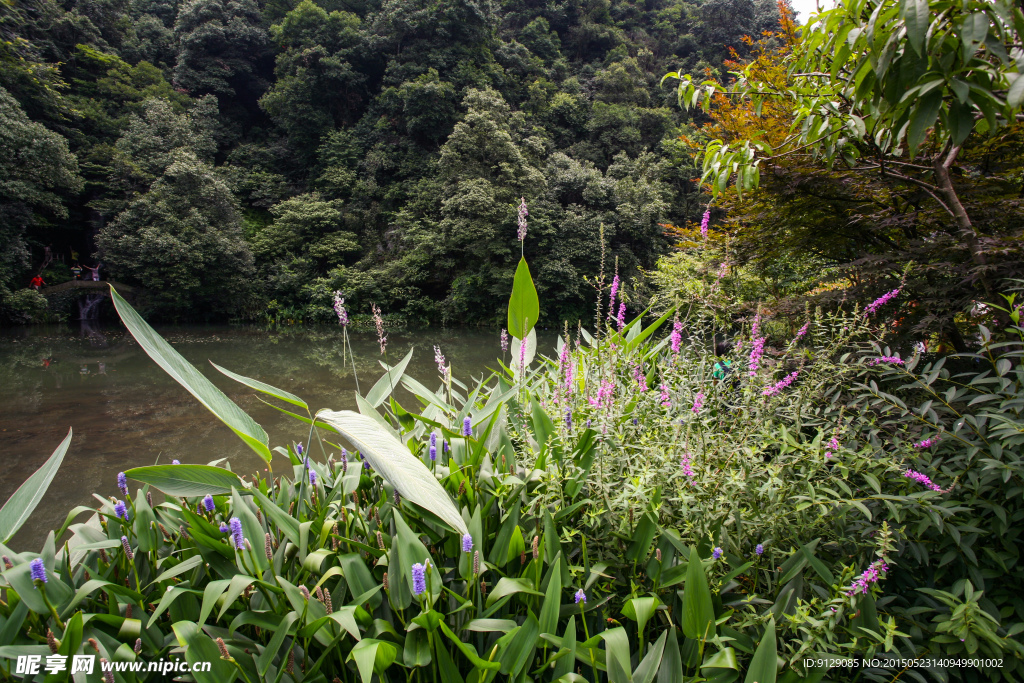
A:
x,y
235,157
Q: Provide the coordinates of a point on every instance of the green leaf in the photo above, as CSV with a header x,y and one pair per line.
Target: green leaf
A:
x,y
384,386
201,648
285,522
916,17
762,666
552,600
524,305
280,633
671,670
23,502
187,376
507,586
180,568
372,656
186,481
1015,96
651,662
263,387
395,463
698,611
922,118
723,659
640,610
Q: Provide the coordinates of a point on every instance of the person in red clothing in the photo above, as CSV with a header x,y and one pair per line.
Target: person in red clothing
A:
x,y
37,282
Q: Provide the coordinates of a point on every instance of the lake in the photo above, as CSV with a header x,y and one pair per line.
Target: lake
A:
x,y
126,412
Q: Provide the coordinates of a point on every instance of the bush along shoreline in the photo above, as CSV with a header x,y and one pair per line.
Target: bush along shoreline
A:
x,y
639,507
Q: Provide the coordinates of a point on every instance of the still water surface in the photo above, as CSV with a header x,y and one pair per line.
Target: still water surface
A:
x,y
126,412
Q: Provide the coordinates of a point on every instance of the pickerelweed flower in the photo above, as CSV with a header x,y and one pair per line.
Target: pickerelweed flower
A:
x,y
122,483
716,554
339,309
879,302
704,224
698,402
379,322
686,462
298,450
175,462
433,438
467,543
665,397
433,453
37,570
312,477
604,395
620,319
580,596
344,462
781,384
467,427
504,340
366,465
759,549
127,547
870,575
419,579
928,443
120,510
922,479
886,359
445,447
237,536
614,292
208,503
224,528
523,213
676,338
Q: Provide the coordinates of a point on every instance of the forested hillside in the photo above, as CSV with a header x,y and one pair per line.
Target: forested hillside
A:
x,y
229,155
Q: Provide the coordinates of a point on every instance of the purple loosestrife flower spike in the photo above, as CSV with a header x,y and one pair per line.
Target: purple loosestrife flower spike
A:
x,y
339,309
698,402
676,338
467,543
441,367
127,548
614,293
704,224
922,479
122,483
686,463
879,302
666,399
120,510
803,330
175,462
379,322
895,360
37,570
780,385
467,427
523,213
208,503
716,554
237,536
580,596
419,579
620,319
759,550
504,340
224,528
928,443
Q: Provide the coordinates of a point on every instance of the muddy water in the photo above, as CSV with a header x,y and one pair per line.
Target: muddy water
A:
x,y
126,412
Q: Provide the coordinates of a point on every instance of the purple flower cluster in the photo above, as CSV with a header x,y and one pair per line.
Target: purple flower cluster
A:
x,y
870,576
620,319
580,596
339,309
922,479
37,570
208,503
504,340
759,550
704,224
419,579
879,302
312,477
614,293
638,375
122,483
604,395
686,462
886,359
676,338
781,384
467,543
803,330
379,322
665,398
523,213
120,510
833,445
757,349
566,362
717,554
237,535
928,443
441,367
467,427
698,402
433,446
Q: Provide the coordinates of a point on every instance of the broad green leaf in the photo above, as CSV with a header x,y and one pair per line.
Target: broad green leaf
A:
x,y
395,463
922,118
564,665
178,569
524,305
186,481
651,662
616,645
723,659
762,666
372,656
201,648
1015,96
285,522
521,645
552,600
389,382
640,610
263,387
698,611
489,625
507,586
671,670
916,17
23,502
280,633
187,376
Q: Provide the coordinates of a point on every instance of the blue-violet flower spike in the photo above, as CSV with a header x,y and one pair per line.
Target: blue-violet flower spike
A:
x,y
208,503
419,579
717,553
236,533
37,570
467,543
759,549
122,483
580,596
120,510
467,427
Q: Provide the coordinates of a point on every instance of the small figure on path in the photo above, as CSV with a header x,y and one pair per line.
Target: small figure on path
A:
x,y
95,272
37,282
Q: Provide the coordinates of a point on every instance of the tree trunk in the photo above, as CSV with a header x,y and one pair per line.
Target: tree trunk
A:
x,y
963,221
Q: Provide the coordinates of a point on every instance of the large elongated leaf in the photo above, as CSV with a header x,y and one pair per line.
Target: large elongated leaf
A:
x,y
194,382
386,384
263,387
698,611
187,480
524,305
23,502
393,461
762,665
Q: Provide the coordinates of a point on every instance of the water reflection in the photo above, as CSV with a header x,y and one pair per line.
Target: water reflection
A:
x,y
126,412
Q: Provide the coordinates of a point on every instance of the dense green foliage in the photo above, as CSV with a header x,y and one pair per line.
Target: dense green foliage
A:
x,y
377,148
